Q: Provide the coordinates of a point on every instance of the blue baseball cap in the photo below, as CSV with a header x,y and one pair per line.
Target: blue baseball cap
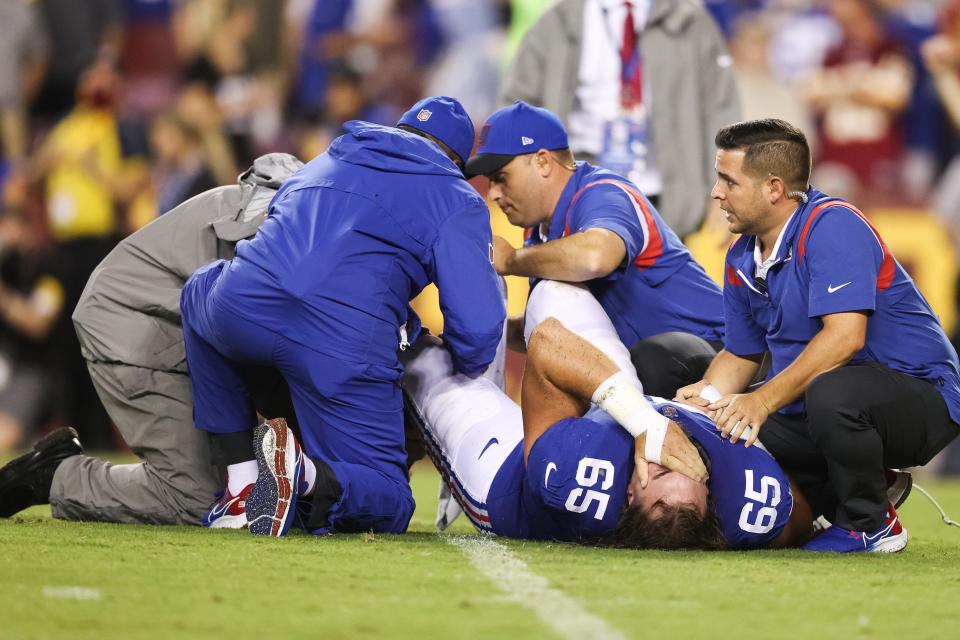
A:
x,y
514,131
446,120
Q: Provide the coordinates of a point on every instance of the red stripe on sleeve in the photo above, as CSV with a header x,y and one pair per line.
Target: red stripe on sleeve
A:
x,y
648,257
732,277
888,267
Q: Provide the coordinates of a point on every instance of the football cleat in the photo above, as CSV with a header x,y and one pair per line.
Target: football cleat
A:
x,y
899,484
26,481
271,503
889,538
229,511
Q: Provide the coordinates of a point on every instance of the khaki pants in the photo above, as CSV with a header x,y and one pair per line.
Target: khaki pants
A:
x,y
173,484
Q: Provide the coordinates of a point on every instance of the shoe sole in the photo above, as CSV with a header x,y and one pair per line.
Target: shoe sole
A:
x,y
892,544
272,499
229,522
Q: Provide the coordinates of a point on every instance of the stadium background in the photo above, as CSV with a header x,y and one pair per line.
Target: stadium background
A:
x,y
113,111
186,93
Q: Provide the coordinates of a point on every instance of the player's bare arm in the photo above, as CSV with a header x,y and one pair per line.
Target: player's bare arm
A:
x,y
842,336
583,256
563,373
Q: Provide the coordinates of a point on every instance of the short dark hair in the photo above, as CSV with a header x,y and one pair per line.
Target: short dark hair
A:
x,y
772,147
564,157
675,526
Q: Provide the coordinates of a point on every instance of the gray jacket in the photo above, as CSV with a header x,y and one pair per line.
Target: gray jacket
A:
x,y
129,312
692,86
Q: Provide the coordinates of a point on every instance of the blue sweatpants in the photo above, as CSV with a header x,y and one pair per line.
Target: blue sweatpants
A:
x,y
350,413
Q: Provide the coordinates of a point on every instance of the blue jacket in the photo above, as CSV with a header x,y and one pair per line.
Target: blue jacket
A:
x,y
357,233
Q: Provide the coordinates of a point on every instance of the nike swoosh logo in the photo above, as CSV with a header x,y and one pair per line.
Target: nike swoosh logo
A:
x,y
220,509
493,441
546,476
832,289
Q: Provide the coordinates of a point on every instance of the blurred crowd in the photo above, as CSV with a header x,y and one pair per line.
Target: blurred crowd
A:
x,y
112,112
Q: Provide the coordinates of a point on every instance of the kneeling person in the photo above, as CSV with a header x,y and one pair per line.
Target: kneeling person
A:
x,y
128,325
587,224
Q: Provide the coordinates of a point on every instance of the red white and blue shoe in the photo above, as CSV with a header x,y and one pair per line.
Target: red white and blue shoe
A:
x,y
889,538
229,511
271,504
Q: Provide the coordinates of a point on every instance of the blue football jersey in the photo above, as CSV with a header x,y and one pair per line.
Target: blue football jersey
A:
x,y
749,492
574,486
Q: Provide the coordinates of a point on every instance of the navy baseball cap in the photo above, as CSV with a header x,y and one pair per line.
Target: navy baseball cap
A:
x,y
446,120
513,131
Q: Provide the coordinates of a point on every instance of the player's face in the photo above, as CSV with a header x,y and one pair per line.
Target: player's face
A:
x,y
740,195
517,188
668,487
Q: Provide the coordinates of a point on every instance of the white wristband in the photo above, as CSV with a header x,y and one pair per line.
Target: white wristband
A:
x,y
710,393
654,446
625,403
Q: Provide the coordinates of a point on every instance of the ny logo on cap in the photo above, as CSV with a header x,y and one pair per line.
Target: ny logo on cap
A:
x,y
424,115
526,141
484,134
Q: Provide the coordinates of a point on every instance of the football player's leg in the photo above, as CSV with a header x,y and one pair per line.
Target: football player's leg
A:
x,y
576,308
561,319
174,483
470,425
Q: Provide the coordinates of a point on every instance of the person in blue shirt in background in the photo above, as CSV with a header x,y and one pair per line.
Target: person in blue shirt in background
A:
x,y
863,377
321,294
587,224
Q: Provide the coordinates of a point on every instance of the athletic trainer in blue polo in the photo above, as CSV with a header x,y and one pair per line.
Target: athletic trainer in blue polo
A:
x,y
587,224
863,376
321,294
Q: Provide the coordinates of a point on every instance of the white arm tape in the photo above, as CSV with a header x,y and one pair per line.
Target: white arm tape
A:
x,y
627,405
654,446
710,393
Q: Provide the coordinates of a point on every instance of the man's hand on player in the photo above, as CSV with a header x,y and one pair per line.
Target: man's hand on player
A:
x,y
503,253
733,413
678,454
690,395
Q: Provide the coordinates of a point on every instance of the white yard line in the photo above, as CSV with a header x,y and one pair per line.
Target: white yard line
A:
x,y
564,615
71,593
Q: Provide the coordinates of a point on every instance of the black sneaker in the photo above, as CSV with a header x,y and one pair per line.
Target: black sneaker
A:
x,y
26,481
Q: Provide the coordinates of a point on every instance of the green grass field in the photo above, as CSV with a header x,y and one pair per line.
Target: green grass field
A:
x,y
98,581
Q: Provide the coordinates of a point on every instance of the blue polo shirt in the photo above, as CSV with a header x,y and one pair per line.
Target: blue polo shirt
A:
x,y
830,259
659,287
